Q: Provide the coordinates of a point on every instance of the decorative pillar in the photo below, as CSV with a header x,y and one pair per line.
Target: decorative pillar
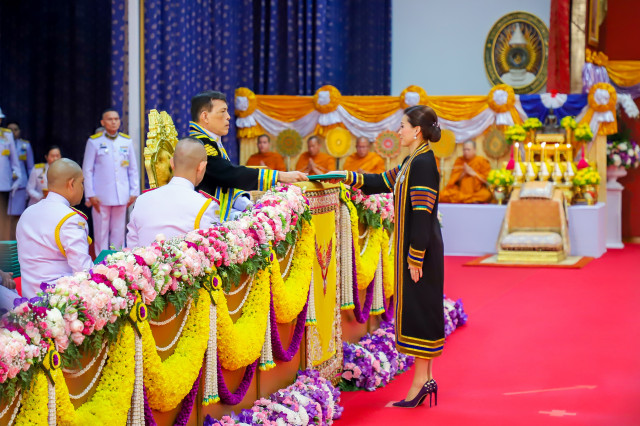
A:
x,y
614,206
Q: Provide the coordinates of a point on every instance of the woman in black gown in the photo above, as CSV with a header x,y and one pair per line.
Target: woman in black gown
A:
x,y
419,260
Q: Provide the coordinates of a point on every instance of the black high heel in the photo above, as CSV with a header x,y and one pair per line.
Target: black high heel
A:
x,y
433,391
419,399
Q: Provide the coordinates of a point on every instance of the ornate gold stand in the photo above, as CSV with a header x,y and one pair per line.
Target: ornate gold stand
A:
x,y
533,257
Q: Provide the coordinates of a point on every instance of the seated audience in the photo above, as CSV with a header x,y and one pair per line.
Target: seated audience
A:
x,y
7,291
175,208
37,184
468,181
52,236
363,160
265,158
313,161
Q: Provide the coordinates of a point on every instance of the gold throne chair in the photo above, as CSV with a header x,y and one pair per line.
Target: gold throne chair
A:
x,y
160,146
535,227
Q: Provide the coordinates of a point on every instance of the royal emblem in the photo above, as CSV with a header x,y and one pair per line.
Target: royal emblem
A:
x,y
324,259
516,52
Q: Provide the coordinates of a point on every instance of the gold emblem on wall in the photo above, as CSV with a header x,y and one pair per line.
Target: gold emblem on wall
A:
x,y
516,52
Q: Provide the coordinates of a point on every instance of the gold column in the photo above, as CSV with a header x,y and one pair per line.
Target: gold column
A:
x,y
578,42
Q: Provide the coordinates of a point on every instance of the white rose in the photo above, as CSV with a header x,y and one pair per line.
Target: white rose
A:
x,y
631,153
622,146
616,160
54,300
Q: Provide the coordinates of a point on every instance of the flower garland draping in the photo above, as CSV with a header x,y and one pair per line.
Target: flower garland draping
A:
x,y
240,343
33,410
310,400
168,381
290,293
81,310
111,400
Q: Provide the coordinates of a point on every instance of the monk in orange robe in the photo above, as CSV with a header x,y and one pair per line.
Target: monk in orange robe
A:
x,y
313,161
468,181
363,160
265,158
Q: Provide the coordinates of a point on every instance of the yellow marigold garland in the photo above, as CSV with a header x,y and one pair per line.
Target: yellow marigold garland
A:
x,y
111,400
240,344
387,267
34,410
290,295
367,263
170,380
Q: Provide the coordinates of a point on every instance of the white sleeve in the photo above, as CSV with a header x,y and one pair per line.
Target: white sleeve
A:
x,y
87,169
132,230
210,216
73,235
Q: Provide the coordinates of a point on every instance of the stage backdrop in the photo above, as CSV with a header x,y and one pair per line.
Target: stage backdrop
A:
x,y
272,47
54,70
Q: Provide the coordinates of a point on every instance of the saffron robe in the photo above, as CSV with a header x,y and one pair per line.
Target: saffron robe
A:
x,y
271,160
371,163
322,160
469,189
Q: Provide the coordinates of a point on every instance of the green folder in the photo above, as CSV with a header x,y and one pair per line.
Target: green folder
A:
x,y
102,256
328,176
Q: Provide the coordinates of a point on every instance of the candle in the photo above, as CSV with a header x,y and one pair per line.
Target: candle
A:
x,y
517,152
569,153
557,156
529,153
542,159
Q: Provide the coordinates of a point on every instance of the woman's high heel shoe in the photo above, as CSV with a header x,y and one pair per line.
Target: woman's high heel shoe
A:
x,y
419,399
433,391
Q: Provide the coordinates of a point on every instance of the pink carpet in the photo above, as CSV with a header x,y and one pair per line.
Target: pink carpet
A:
x,y
542,347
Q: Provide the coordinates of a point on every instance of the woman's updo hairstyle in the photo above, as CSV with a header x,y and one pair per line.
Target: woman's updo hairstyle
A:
x,y
424,117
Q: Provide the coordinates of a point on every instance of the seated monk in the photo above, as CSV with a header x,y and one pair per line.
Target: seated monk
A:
x,y
468,180
313,161
363,160
265,158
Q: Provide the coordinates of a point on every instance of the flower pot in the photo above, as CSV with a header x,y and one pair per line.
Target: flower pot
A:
x,y
614,173
500,193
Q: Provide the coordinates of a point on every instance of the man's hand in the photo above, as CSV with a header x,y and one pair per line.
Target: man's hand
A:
x,y
292,177
416,273
7,280
262,163
14,186
95,203
362,171
132,200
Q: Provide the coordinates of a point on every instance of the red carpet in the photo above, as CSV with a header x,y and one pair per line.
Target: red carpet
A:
x,y
542,347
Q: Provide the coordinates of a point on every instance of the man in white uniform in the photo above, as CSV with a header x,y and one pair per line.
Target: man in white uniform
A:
x,y
10,176
52,236
176,208
111,181
18,200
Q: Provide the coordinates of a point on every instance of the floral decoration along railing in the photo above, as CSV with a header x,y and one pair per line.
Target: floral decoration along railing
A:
x,y
105,312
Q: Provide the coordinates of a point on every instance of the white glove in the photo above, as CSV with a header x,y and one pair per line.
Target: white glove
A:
x,y
14,186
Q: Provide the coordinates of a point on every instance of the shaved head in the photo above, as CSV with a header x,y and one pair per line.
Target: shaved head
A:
x,y
61,171
469,150
65,178
362,146
189,160
188,154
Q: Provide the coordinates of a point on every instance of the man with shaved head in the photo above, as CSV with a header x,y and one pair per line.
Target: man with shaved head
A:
x,y
176,208
52,236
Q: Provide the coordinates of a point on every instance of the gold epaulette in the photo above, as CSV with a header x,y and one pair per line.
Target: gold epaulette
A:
x,y
39,166
97,135
4,129
124,135
211,150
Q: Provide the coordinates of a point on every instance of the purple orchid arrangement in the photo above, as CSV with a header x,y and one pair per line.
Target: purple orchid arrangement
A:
x,y
310,400
374,361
